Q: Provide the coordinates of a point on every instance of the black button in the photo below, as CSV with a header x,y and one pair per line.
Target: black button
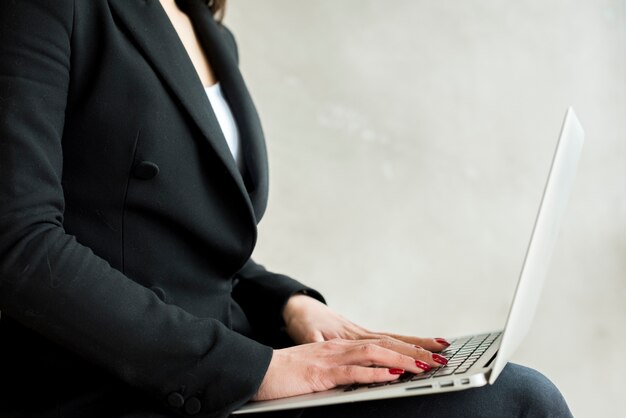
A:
x,y
193,406
146,170
160,293
175,400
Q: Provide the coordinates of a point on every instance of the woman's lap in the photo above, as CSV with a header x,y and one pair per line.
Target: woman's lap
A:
x,y
518,392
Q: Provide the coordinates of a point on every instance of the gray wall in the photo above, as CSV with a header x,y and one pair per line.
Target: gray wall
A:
x,y
409,143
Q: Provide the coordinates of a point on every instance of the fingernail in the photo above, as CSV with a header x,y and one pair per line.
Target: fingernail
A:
x,y
440,359
442,341
422,365
396,371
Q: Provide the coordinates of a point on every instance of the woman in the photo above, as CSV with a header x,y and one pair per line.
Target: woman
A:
x,y
131,187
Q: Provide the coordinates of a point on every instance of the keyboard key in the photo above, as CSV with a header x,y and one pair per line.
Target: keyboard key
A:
x,y
420,377
444,372
403,378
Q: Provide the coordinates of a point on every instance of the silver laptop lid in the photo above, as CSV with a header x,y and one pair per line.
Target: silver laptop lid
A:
x,y
542,240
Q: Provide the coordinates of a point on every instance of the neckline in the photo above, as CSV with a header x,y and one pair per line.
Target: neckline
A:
x,y
214,86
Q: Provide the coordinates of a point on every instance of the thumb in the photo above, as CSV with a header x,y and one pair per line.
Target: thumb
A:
x,y
316,337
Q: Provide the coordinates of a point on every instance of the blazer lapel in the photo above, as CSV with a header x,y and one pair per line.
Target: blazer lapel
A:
x,y
214,38
152,30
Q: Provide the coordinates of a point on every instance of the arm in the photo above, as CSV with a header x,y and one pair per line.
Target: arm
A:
x,y
59,288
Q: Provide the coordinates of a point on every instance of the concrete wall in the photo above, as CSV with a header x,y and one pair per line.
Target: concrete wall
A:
x,y
409,143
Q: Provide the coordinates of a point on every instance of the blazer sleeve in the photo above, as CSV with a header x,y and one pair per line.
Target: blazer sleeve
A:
x,y
231,41
51,283
263,295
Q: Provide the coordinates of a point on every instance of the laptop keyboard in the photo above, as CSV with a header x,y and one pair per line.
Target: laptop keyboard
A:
x,y
461,354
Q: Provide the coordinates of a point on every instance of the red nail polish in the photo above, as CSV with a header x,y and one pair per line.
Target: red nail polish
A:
x,y
439,359
396,371
442,341
422,365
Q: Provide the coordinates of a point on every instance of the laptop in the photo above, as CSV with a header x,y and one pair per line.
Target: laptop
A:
x,y
477,360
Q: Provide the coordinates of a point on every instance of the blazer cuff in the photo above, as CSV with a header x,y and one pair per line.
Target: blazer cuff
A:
x,y
244,365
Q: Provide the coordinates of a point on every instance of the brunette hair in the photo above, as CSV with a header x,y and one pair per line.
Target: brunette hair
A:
x,y
217,8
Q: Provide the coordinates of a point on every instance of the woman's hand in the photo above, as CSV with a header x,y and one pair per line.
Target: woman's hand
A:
x,y
308,320
324,365
335,351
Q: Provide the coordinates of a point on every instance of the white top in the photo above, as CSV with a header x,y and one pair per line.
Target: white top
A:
x,y
226,120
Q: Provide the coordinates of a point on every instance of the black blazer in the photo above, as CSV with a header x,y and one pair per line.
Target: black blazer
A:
x,y
126,228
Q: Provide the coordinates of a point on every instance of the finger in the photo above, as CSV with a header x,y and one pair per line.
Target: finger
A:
x,y
345,375
433,359
426,359
420,354
315,337
373,354
300,336
427,356
430,344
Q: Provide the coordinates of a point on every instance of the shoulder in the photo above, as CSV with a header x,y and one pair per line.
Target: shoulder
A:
x,y
36,15
231,42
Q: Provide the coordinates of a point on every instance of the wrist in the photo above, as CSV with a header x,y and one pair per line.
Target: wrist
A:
x,y
295,304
